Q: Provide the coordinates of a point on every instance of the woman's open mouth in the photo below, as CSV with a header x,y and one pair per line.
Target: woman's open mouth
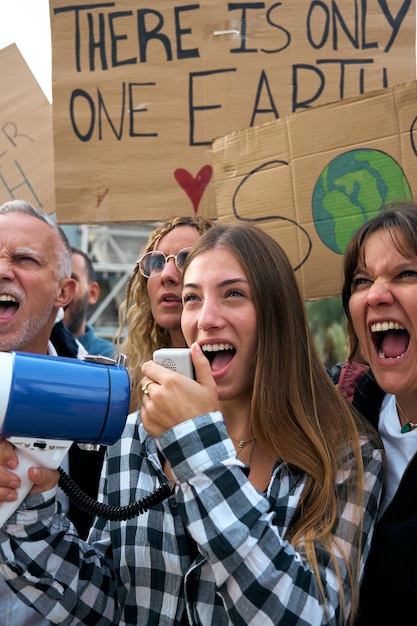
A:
x,y
390,339
219,354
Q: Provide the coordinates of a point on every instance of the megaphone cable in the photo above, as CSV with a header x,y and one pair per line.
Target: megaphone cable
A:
x,y
112,513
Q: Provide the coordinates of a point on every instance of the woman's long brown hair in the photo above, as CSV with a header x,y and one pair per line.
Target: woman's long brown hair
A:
x,y
297,412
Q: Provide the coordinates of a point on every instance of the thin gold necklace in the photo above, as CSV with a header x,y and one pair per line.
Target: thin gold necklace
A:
x,y
253,442
242,443
408,426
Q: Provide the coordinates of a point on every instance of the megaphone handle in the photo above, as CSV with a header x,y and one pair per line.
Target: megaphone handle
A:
x,y
30,452
7,508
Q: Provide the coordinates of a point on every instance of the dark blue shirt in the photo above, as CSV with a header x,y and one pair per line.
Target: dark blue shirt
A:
x,y
96,345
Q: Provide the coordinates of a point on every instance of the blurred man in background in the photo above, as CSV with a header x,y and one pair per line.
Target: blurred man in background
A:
x,y
86,294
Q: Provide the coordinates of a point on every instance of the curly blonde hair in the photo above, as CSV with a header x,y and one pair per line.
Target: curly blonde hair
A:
x,y
144,335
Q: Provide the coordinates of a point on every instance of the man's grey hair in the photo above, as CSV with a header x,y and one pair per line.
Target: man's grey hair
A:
x,y
63,249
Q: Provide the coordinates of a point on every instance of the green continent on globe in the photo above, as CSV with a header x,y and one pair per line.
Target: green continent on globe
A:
x,y
351,189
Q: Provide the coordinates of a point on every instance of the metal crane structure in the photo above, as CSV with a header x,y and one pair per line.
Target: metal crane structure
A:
x,y
114,249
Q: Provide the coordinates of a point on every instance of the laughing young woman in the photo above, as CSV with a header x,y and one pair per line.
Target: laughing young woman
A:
x,y
276,479
380,300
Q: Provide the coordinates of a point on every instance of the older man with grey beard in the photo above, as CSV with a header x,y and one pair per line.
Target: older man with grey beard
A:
x,y
35,282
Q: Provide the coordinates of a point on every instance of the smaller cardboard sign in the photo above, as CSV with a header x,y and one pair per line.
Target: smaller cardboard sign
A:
x,y
26,141
311,179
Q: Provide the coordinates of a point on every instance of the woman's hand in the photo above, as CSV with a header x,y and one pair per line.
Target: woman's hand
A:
x,y
42,478
173,398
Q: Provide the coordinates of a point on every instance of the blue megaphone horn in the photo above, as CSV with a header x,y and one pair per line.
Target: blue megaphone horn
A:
x,y
48,403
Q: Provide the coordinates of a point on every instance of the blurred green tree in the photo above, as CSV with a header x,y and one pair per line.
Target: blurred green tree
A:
x,y
327,321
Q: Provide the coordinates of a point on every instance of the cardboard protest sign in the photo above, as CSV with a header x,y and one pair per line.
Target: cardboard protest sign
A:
x,y
140,91
26,143
311,179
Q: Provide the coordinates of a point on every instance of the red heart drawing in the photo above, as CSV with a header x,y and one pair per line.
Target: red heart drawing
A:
x,y
194,187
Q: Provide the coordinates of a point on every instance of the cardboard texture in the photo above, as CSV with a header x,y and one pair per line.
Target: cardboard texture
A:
x,y
140,91
26,143
311,179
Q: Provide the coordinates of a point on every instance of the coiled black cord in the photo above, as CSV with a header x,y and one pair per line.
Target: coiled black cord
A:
x,y
113,513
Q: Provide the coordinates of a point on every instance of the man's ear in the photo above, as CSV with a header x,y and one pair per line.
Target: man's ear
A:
x,y
66,291
94,292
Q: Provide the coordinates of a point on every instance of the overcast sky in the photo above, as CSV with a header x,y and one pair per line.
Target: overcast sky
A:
x,y
26,23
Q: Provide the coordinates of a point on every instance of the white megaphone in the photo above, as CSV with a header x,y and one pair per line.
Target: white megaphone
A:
x,y
47,403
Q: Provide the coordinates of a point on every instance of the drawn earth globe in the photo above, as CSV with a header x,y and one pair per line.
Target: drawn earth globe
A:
x,y
351,189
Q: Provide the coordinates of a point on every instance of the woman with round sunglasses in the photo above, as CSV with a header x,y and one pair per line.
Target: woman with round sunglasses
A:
x,y
151,312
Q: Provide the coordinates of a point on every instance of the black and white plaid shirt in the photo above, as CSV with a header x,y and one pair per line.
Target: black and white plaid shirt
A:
x,y
149,571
